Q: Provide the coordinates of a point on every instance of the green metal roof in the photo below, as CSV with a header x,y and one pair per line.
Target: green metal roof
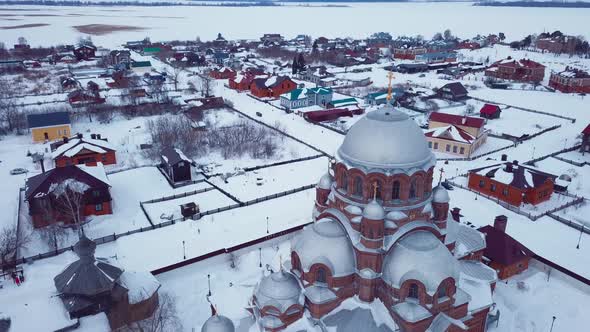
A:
x,y
345,101
137,64
151,50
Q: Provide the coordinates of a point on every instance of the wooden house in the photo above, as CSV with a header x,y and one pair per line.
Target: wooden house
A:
x,y
176,165
453,91
85,52
46,204
490,111
585,145
503,253
49,126
81,150
512,183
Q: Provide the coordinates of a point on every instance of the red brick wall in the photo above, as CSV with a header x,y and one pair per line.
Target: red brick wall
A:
x,y
507,271
514,196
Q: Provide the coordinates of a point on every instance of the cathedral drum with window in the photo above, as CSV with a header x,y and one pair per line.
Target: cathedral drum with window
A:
x,y
381,233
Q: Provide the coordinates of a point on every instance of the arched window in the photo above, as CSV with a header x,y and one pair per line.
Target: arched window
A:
x,y
395,190
321,275
412,189
442,292
378,190
413,291
344,181
358,186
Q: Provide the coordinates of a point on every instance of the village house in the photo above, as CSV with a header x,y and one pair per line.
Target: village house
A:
x,y
490,111
437,57
455,134
48,203
503,253
453,91
523,70
176,165
223,73
120,57
89,286
49,126
242,81
408,53
317,75
570,80
512,183
352,104
298,98
84,97
557,44
68,83
271,38
585,145
82,150
141,67
272,87
12,65
85,52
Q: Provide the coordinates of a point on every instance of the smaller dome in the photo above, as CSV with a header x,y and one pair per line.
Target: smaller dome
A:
x,y
374,211
325,181
218,323
280,290
440,195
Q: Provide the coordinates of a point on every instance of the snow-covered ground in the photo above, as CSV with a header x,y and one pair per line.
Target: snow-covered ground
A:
x,y
272,180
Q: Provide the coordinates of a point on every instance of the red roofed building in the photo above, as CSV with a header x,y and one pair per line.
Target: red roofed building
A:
x,y
241,82
490,111
81,150
327,115
272,87
523,70
222,73
503,253
571,80
585,140
512,183
455,134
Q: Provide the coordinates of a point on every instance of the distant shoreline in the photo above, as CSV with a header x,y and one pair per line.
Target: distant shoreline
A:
x,y
198,3
537,4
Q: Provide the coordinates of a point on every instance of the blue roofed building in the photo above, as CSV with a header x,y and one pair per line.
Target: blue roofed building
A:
x,y
299,98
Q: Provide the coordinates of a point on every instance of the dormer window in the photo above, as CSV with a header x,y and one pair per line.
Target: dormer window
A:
x,y
413,291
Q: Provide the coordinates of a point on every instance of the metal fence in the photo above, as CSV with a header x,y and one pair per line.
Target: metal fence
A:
x,y
573,120
115,236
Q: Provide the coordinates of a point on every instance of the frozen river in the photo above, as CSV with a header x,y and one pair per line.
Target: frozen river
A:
x,y
43,25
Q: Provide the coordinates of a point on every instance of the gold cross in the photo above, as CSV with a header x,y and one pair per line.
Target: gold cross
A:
x,y
442,170
390,77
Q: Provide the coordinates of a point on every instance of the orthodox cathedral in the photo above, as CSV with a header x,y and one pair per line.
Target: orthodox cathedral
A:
x,y
381,234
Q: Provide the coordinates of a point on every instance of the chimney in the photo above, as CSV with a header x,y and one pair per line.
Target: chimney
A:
x,y
65,139
80,135
504,157
98,136
42,162
500,223
455,214
508,167
93,136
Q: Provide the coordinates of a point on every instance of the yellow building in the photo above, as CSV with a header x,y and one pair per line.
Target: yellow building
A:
x,y
49,126
455,134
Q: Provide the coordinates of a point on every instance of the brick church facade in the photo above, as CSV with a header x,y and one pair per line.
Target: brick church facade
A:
x,y
382,233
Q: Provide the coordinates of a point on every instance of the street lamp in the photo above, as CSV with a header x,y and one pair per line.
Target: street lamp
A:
x,y
260,256
553,322
183,250
533,153
209,283
580,238
267,225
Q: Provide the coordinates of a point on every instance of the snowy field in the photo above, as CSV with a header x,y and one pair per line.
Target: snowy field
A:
x,y
272,180
580,184
163,23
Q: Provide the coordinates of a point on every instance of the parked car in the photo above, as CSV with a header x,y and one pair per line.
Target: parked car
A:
x,y
17,171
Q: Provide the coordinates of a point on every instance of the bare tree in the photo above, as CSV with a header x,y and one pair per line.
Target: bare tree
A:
x,y
163,319
159,92
54,235
10,114
69,200
206,84
174,75
174,131
10,244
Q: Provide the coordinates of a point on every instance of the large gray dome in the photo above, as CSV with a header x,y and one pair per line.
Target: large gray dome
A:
x,y
325,242
218,323
422,256
386,138
280,290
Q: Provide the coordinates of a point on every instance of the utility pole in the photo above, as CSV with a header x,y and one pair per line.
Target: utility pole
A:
x,y
580,238
267,225
553,322
260,257
183,250
209,283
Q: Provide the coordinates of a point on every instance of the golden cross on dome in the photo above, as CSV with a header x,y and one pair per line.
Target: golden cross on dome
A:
x,y
442,170
390,77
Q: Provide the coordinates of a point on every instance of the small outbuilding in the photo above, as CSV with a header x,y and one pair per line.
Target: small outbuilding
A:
x,y
490,111
176,165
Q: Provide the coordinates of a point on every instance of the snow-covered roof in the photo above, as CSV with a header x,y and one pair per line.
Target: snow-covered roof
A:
x,y
325,242
279,289
319,294
140,285
411,312
419,255
451,132
96,171
72,147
